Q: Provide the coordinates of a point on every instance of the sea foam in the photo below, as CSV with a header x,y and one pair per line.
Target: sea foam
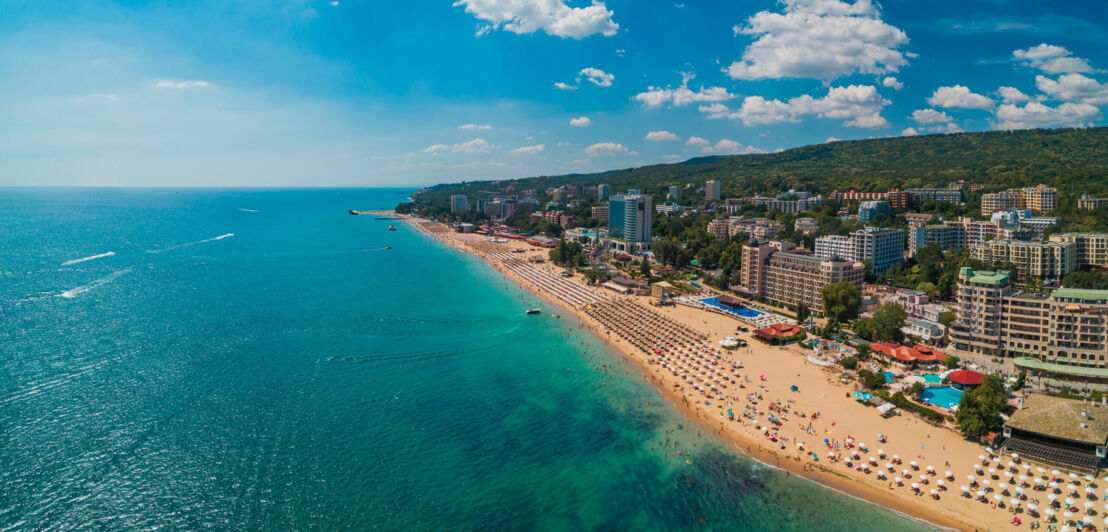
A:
x,y
74,292
88,258
179,246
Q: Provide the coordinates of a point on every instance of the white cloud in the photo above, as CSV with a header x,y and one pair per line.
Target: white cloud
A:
x,y
564,86
930,116
822,39
860,103
1035,114
529,150
909,132
661,135
959,96
1074,88
697,141
552,16
564,144
948,128
474,146
581,121
1012,95
597,77
181,84
608,148
831,139
727,146
471,127
657,96
892,83
1051,59
620,52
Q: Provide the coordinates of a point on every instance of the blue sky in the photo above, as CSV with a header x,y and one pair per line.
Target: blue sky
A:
x,y
363,93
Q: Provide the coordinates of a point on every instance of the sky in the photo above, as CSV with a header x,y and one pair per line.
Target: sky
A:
x,y
275,93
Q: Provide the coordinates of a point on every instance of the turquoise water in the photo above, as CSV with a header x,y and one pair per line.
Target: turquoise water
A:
x,y
297,375
932,378
944,396
745,312
889,376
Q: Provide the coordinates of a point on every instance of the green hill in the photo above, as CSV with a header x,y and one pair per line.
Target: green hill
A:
x,y
1075,160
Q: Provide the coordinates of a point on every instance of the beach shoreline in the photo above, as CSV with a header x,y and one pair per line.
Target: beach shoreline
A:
x,y
915,507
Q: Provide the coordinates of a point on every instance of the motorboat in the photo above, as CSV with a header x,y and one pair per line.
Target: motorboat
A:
x,y
533,311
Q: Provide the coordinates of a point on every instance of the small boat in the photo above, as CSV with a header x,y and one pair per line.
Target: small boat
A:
x,y
392,228
354,212
388,247
533,311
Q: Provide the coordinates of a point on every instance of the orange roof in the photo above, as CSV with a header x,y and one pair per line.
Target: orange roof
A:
x,y
779,330
903,353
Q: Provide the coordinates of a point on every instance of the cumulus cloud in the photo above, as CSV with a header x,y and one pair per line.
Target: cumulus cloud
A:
x,y
657,96
1012,95
959,96
1035,114
821,39
1074,88
661,136
474,146
564,86
478,127
529,150
909,132
581,121
892,83
551,16
181,84
1051,59
607,148
728,147
930,116
597,77
948,128
859,103
697,141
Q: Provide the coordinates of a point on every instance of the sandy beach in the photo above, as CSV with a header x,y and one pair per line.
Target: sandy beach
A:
x,y
747,397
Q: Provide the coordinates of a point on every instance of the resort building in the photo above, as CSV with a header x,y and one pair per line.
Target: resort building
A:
x,y
881,247
458,204
793,206
806,225
907,355
1059,432
918,218
501,209
1088,203
1035,259
900,199
854,195
777,333
711,190
868,210
629,217
603,192
928,331
669,207
1092,248
760,228
949,195
946,236
1062,333
775,272
719,227
600,213
559,195
674,193
1040,199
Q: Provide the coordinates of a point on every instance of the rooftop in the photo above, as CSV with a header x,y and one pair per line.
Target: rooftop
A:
x,y
1061,418
966,377
1036,364
1081,293
998,277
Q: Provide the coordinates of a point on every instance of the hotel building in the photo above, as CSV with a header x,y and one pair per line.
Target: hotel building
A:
x,y
711,190
1063,332
458,203
775,272
1087,203
1039,199
883,248
1092,248
629,217
1034,259
603,192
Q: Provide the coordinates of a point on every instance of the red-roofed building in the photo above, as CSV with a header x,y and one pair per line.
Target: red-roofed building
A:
x,y
965,379
777,332
908,355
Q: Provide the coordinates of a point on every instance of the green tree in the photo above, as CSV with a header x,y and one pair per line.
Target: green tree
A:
x,y
802,313
872,381
731,258
951,361
841,301
644,269
916,390
948,317
863,352
863,328
887,322
850,363
980,408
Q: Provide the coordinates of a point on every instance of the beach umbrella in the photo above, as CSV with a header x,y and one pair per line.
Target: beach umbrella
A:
x,y
889,466
992,471
1089,505
930,469
1090,478
965,489
1015,456
1014,502
1069,501
1073,475
1011,464
1051,496
970,478
1049,511
881,453
898,480
906,473
1055,472
977,467
948,474
1041,470
982,457
941,483
913,464
915,486
934,492
1032,507
982,493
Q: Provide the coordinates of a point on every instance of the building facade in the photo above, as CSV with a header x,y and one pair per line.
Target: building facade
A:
x,y
711,190
603,192
1089,203
1091,248
882,247
775,272
1032,259
674,193
629,217
868,210
458,203
600,213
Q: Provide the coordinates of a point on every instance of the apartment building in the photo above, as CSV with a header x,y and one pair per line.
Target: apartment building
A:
x,y
1092,248
1039,198
775,272
1034,259
882,247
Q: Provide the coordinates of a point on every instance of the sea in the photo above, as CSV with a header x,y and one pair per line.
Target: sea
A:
x,y
250,359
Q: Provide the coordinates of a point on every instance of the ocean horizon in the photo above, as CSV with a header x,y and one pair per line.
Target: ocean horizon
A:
x,y
260,359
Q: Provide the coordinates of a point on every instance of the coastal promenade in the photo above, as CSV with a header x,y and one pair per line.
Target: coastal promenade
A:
x,y
775,405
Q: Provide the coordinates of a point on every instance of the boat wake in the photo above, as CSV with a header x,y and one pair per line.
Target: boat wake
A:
x,y
74,292
249,210
90,257
179,246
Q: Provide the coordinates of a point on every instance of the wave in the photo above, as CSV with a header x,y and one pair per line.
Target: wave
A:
x,y
249,210
179,246
74,292
88,258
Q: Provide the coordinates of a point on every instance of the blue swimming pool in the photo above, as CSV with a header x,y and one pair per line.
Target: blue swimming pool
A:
x,y
889,376
742,311
931,378
944,396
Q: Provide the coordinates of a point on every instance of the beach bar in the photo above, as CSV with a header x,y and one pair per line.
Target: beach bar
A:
x,y
1060,432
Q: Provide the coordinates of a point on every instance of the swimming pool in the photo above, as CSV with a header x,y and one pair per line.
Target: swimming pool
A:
x,y
931,378
741,311
944,396
889,376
